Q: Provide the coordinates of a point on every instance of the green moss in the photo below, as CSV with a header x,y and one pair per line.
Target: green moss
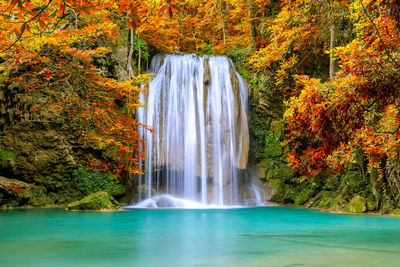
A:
x,y
396,212
325,202
39,197
5,155
96,201
283,172
331,183
285,193
386,206
371,203
338,204
305,195
207,49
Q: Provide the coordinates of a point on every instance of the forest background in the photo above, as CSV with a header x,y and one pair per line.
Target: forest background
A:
x,y
324,78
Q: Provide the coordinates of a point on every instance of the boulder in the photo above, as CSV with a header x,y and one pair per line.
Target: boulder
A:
x,y
338,204
98,201
357,205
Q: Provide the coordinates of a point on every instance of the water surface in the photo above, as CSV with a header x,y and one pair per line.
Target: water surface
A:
x,y
265,236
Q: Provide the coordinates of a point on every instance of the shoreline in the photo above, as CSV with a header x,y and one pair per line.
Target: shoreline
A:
x,y
340,211
271,204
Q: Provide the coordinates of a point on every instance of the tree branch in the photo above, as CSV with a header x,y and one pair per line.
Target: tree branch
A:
x,y
379,35
23,27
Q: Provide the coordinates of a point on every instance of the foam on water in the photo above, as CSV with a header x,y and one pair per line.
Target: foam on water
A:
x,y
168,201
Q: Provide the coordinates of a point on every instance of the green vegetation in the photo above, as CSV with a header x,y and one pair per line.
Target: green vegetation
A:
x,y
91,181
5,155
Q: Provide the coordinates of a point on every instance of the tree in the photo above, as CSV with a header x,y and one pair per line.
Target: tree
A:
x,y
48,48
297,35
356,111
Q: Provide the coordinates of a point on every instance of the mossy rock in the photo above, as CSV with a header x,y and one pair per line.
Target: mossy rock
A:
x,y
357,204
274,150
277,126
325,202
371,204
331,183
284,193
290,196
39,197
386,206
96,201
305,195
396,212
283,173
17,193
338,204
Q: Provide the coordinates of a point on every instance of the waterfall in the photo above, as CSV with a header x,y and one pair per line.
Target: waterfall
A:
x,y
197,107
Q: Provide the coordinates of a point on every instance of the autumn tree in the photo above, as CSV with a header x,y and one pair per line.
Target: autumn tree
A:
x,y
329,123
298,39
48,48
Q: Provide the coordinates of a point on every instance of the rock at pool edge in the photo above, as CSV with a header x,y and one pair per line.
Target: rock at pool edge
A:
x,y
357,205
96,201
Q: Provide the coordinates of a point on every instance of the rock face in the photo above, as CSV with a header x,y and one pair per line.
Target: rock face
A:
x,y
357,205
40,150
98,201
18,193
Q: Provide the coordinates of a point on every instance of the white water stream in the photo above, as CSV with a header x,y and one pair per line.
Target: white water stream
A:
x,y
197,107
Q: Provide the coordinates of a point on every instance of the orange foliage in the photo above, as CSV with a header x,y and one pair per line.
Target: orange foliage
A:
x,y
359,109
39,49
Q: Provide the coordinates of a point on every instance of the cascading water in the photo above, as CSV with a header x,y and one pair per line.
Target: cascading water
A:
x,y
197,107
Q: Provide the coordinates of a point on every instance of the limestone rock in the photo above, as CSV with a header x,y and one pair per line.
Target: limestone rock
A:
x,y
97,201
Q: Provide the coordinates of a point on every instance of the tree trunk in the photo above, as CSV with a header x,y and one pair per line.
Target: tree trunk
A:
x,y
223,12
140,55
129,69
332,46
252,26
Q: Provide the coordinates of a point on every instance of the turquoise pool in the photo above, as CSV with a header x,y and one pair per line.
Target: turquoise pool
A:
x,y
265,236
